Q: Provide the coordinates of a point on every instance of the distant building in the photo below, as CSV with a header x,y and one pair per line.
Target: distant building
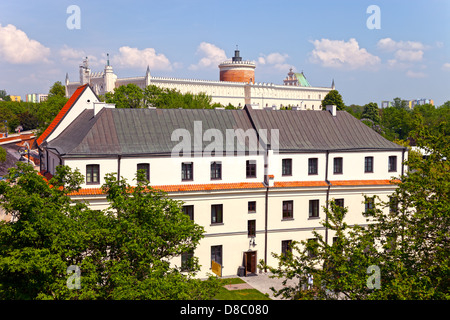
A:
x,y
236,86
15,98
36,97
410,103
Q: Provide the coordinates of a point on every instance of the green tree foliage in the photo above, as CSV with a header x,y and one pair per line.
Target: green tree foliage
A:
x,y
333,98
408,243
122,252
57,89
131,96
371,112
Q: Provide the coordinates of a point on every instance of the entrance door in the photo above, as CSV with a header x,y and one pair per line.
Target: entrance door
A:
x,y
250,262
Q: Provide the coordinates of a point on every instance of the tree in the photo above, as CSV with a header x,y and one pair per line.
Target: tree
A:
x,y
400,104
370,112
57,89
4,96
408,245
129,96
122,253
333,98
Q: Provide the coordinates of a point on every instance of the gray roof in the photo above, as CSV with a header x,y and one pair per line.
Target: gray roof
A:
x,y
148,131
308,130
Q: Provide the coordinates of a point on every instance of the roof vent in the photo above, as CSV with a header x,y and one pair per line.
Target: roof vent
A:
x,y
332,109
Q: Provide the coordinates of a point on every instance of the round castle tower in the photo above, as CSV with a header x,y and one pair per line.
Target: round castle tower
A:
x,y
237,70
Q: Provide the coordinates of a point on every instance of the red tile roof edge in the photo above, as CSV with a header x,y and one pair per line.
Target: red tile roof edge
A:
x,y
61,114
243,185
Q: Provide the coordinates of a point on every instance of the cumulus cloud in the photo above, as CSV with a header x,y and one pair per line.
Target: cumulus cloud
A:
x,y
342,54
136,58
276,60
446,66
404,51
211,55
17,48
388,44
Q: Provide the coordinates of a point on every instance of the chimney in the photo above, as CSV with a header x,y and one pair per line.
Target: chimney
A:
x,y
332,109
100,105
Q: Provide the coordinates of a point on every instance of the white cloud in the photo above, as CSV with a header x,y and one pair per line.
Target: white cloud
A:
x,y
17,48
446,66
387,44
342,54
275,60
136,58
413,74
409,55
212,56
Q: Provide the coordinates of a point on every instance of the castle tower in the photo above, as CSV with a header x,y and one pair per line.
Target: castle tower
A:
x,y
109,77
85,72
237,70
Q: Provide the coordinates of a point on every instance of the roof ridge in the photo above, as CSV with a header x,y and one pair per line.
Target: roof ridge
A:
x,y
61,114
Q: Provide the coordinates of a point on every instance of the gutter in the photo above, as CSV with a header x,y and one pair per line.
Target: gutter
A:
x,y
328,193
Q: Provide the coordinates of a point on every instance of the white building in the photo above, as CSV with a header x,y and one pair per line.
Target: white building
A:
x,y
251,203
236,86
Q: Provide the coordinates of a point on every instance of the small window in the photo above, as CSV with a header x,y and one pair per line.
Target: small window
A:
x,y
368,164
216,213
313,208
186,260
251,228
92,174
146,168
312,245
251,168
187,171
337,166
286,167
286,246
288,209
216,170
189,210
369,204
312,165
216,254
339,202
392,164
251,206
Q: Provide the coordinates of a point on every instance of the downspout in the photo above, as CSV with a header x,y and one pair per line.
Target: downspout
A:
x,y
266,208
328,194
119,157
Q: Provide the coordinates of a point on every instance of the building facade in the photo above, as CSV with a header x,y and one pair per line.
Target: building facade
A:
x,y
257,186
236,86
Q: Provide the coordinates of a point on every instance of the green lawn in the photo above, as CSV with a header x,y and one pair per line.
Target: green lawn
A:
x,y
246,294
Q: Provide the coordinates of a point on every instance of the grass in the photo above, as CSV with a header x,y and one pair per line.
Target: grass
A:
x,y
245,294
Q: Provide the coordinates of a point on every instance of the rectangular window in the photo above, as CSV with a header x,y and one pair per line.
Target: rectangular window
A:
x,y
251,228
187,171
368,164
146,168
393,204
216,213
286,167
251,168
392,164
312,165
339,202
337,166
312,246
92,174
186,258
216,170
313,208
216,254
288,209
369,204
189,210
251,206
286,247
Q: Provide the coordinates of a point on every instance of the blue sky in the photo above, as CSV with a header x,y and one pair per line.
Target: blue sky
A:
x,y
407,57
